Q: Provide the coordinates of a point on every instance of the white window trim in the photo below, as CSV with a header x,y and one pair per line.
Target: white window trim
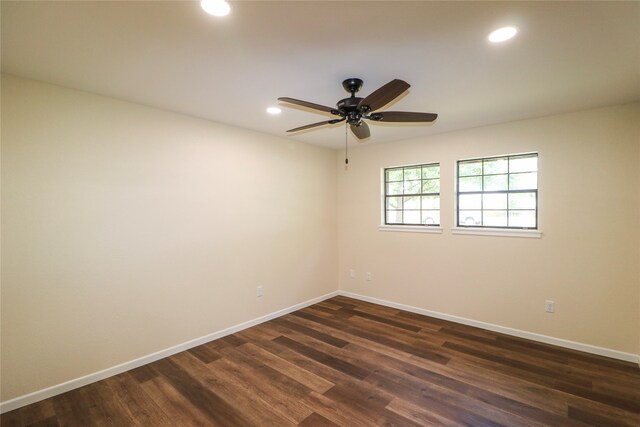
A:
x,y
535,233
434,229
411,228
500,232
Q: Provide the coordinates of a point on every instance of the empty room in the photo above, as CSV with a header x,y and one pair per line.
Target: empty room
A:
x,y
320,213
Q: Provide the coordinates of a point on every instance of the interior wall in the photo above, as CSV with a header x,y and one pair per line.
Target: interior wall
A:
x,y
127,230
589,213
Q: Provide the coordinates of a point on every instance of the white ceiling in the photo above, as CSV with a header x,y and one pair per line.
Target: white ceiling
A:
x,y
567,56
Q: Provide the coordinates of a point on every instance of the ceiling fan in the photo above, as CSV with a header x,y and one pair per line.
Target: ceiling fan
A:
x,y
355,109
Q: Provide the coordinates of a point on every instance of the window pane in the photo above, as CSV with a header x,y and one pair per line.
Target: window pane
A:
x,y
495,182
498,191
496,166
431,217
473,183
412,187
412,173
523,181
494,201
394,174
430,202
522,219
431,186
470,201
394,188
412,202
394,217
494,218
432,171
412,217
522,201
470,218
406,199
523,164
473,167
394,202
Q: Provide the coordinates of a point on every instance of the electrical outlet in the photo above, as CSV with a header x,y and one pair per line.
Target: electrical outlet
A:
x,y
367,276
352,273
550,306
259,291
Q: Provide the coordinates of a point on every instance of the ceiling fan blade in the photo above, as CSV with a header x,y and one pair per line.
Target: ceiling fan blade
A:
x,y
384,95
310,105
403,116
312,125
362,131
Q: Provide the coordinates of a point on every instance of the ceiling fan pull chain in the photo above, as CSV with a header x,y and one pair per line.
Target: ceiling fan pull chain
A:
x,y
346,146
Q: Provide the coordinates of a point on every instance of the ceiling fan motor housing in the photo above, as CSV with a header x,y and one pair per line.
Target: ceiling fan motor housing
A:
x,y
348,108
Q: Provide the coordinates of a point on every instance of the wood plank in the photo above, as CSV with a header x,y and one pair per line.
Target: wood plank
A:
x,y
368,401
419,414
317,420
555,376
37,412
606,398
205,354
259,371
329,339
596,419
274,394
205,398
135,403
605,410
231,390
377,338
328,305
47,422
312,381
385,320
561,368
12,418
104,407
177,407
424,396
70,410
336,412
323,358
341,354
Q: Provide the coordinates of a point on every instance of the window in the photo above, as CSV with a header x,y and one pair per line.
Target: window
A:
x,y
499,192
412,195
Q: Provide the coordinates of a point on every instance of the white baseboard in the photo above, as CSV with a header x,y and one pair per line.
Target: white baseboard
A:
x,y
601,351
46,393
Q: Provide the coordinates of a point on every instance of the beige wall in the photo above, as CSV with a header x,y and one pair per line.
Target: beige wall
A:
x,y
127,230
589,212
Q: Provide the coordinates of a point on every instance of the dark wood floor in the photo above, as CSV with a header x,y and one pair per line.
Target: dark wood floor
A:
x,y
349,363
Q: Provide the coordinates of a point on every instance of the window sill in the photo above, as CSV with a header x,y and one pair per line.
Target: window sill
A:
x,y
501,232
411,229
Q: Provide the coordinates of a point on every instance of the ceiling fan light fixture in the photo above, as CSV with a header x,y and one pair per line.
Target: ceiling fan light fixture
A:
x,y
274,110
502,34
215,7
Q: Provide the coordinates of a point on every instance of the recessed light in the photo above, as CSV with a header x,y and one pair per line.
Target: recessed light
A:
x,y
216,7
274,110
502,34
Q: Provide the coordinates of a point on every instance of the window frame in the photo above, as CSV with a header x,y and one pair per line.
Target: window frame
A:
x,y
500,230
411,227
